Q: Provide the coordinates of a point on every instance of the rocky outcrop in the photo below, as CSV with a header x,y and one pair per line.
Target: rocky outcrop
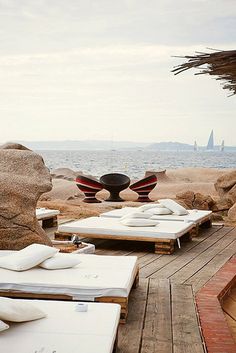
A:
x,y
196,200
226,185
223,204
23,178
232,213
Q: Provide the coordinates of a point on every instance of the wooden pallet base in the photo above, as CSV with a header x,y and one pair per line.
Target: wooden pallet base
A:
x,y
165,247
49,222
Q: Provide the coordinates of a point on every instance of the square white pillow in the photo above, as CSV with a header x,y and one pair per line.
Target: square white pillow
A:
x,y
148,207
139,222
174,207
59,261
28,257
3,326
158,211
137,215
19,310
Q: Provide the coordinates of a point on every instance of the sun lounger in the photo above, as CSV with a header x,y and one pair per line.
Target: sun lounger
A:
x,y
198,217
47,216
96,278
162,235
64,330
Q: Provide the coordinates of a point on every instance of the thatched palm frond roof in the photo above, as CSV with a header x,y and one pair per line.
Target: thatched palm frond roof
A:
x,y
221,64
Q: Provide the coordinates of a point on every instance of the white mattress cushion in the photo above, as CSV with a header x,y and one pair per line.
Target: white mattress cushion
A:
x,y
158,211
28,257
112,226
195,216
65,330
42,213
136,215
3,326
174,206
19,311
93,277
60,261
150,206
138,222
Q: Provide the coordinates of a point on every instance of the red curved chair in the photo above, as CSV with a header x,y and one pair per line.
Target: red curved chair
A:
x,y
143,187
89,187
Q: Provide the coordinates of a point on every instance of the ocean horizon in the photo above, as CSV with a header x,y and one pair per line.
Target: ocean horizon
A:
x,y
135,163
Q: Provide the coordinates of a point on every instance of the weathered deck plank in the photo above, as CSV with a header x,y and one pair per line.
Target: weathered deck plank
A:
x,y
221,239
199,279
165,266
130,335
157,333
186,333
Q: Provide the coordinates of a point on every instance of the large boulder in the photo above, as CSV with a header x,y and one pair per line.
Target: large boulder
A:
x,y
225,183
196,200
232,213
222,204
23,178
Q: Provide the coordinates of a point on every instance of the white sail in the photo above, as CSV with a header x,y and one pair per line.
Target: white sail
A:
x,y
210,144
222,147
195,146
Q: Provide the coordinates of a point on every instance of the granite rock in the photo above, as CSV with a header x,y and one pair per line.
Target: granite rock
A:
x,y
23,178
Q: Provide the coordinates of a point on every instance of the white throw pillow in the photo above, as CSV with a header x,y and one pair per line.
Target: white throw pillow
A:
x,y
19,310
148,207
60,261
28,257
137,215
3,326
174,207
139,222
158,211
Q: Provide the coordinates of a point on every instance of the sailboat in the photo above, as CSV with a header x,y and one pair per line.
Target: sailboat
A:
x,y
222,147
195,146
210,144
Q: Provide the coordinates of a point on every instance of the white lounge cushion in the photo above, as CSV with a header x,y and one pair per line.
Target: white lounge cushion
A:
x,y
138,222
158,211
174,207
59,261
28,257
148,207
3,326
19,311
136,215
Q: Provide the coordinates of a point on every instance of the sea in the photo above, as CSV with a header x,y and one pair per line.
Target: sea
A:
x,y
135,162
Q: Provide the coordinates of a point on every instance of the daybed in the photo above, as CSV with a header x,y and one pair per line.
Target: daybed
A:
x,y
96,278
163,235
64,329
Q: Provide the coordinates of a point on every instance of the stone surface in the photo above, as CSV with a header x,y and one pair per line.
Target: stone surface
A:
x,y
232,213
222,204
232,194
226,181
187,197
196,200
23,178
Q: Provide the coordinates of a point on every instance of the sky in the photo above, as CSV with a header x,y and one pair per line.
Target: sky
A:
x,y
101,69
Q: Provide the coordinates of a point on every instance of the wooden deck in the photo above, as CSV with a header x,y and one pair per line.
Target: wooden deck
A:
x,y
162,316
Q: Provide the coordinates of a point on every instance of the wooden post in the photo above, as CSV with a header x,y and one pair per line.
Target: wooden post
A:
x,y
165,247
50,222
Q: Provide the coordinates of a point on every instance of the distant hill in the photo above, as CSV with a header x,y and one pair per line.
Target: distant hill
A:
x,y
170,146
76,145
82,145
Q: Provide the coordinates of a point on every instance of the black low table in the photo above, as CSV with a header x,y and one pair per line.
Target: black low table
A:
x,y
115,183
